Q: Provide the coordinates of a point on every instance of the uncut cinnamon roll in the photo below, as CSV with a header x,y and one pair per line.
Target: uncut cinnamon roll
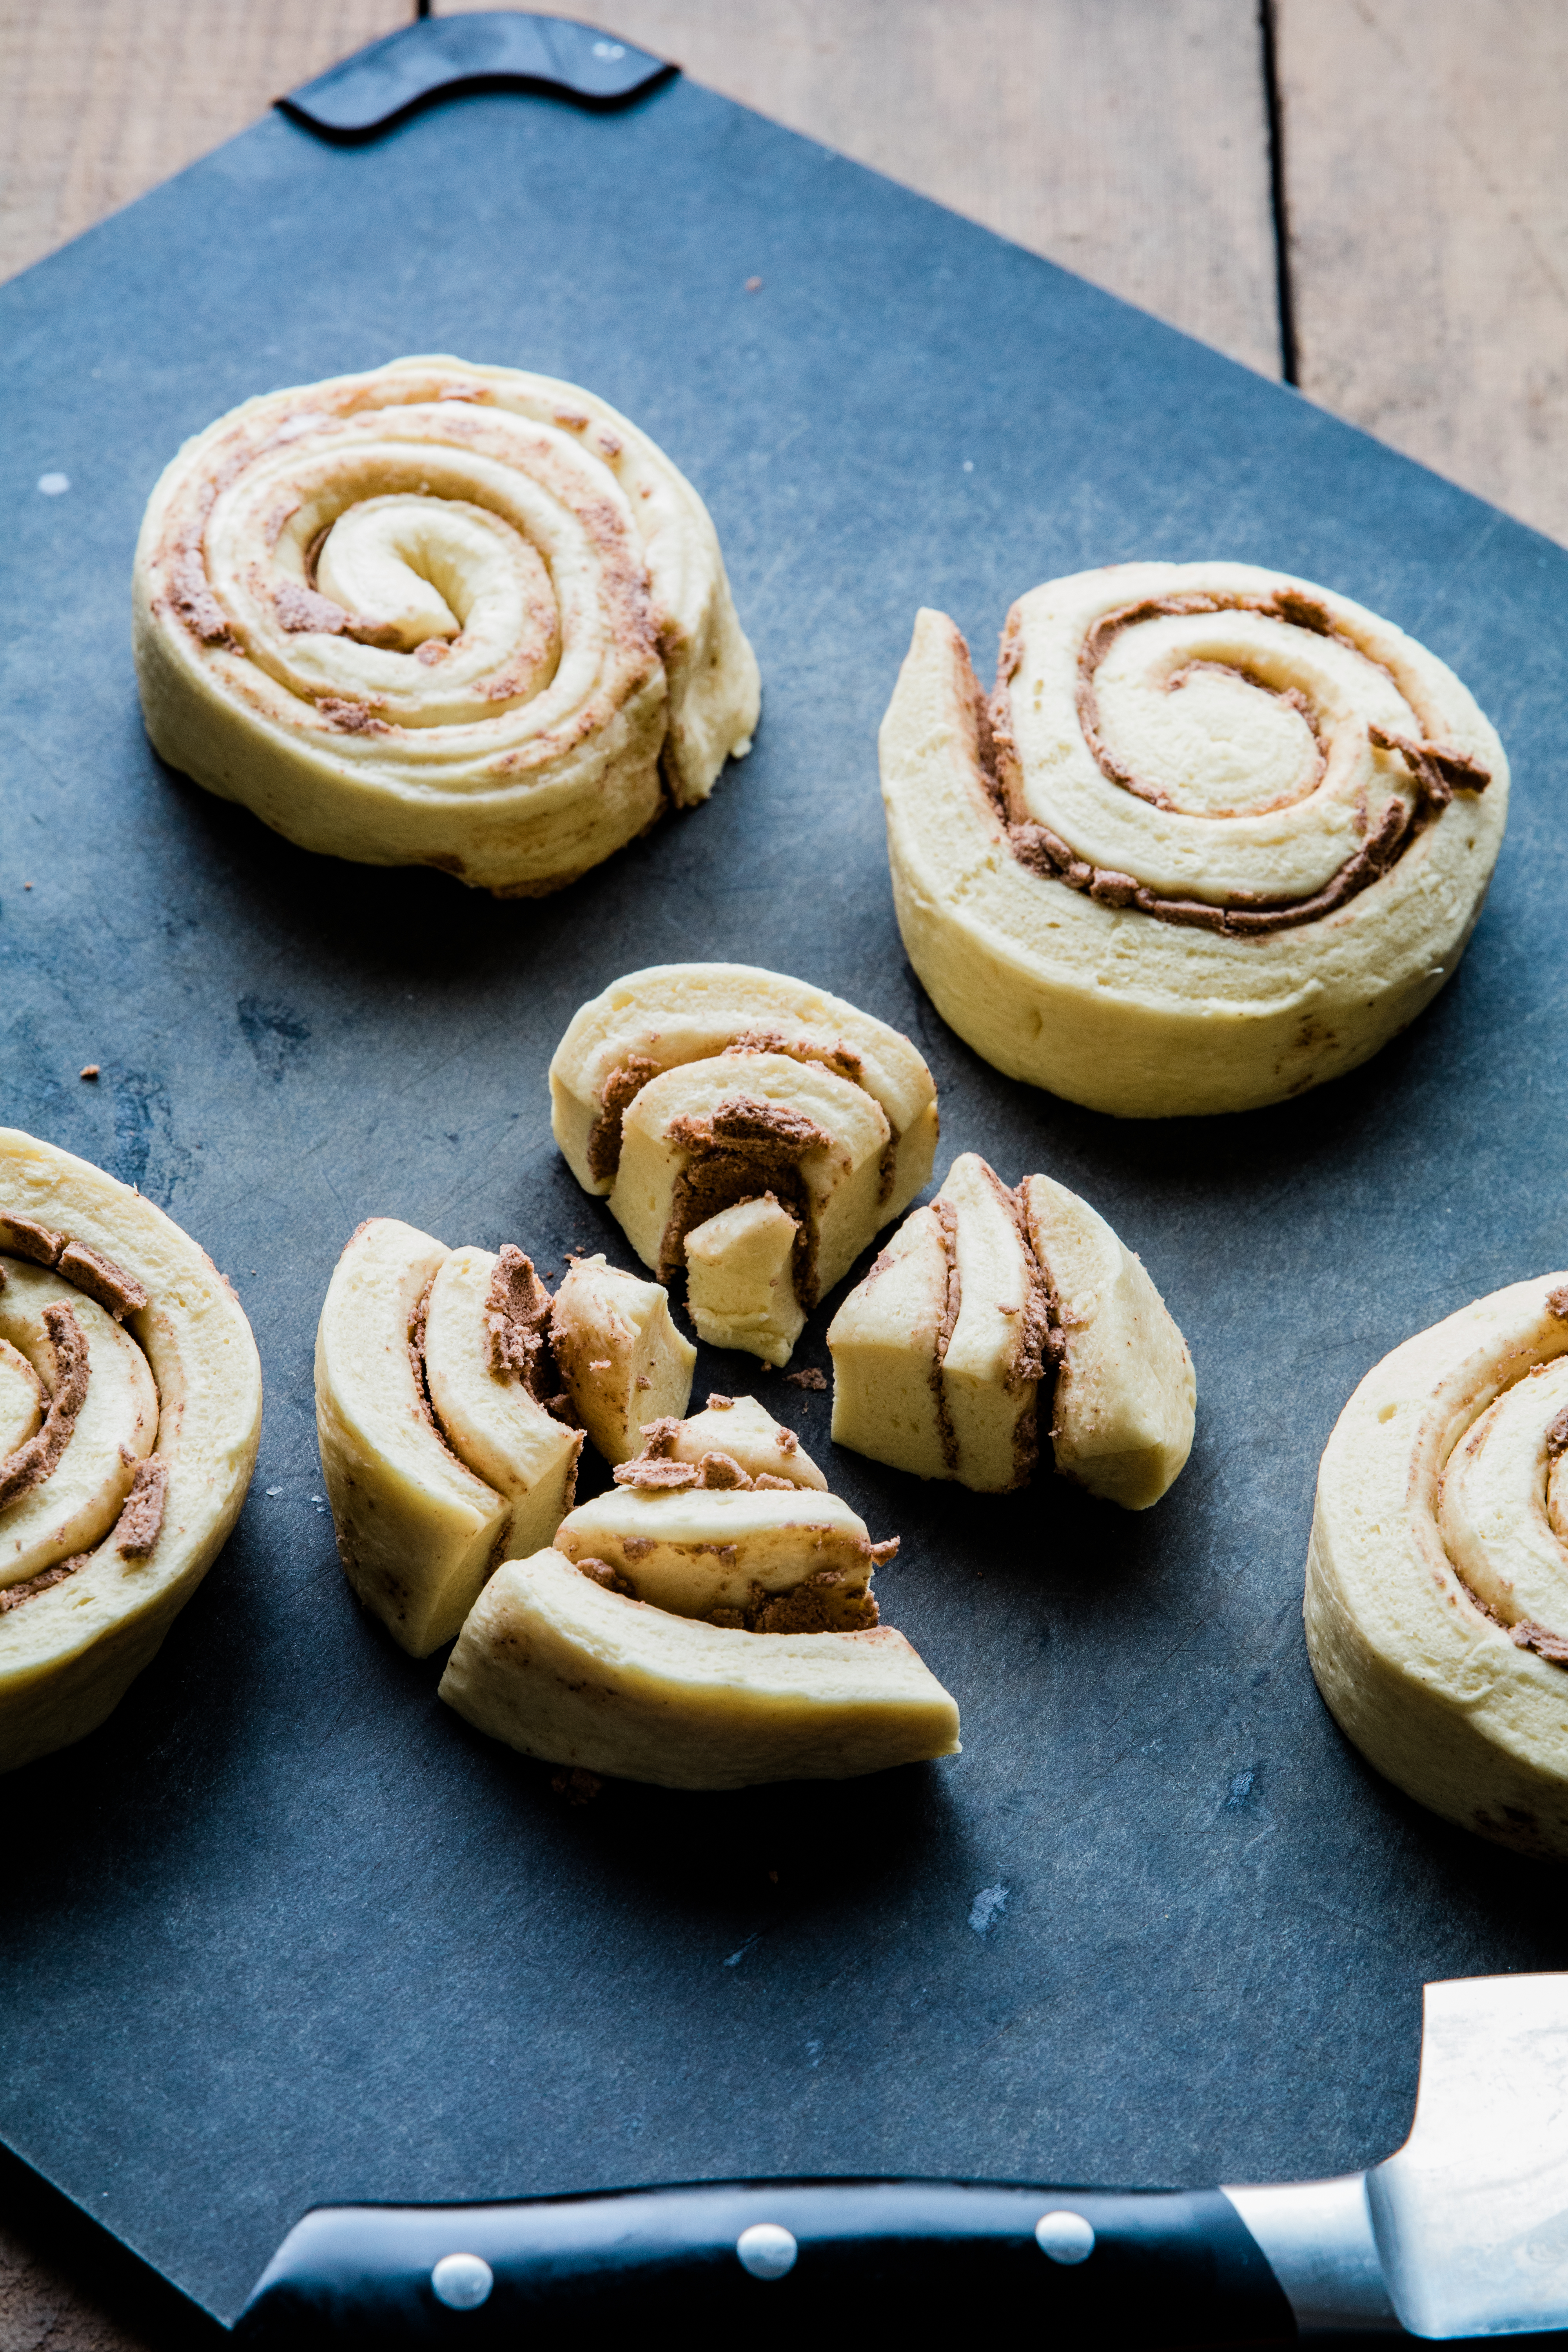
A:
x,y
130,1411
1436,1602
1217,836
440,614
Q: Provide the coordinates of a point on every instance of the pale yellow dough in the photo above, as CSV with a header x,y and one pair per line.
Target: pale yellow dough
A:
x,y
440,614
1248,737
560,1669
647,1658
176,1383
989,1302
722,1102
621,1359
1437,1600
437,1459
740,1280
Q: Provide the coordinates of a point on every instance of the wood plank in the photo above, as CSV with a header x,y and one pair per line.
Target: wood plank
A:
x,y
1127,138
42,2311
1428,232
99,100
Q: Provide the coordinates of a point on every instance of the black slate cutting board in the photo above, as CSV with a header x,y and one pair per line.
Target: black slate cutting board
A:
x,y
287,1930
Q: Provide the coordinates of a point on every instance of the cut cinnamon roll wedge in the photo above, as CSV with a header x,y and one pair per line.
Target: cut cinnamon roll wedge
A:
x,y
439,1444
997,1316
702,1627
621,1360
1436,1599
688,1093
440,614
1217,836
129,1413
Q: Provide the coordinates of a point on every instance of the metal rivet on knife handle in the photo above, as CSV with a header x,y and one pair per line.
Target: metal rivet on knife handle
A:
x,y
462,2282
1066,2237
767,2250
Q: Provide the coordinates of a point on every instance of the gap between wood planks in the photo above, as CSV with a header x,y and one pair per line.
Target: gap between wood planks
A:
x,y
1362,195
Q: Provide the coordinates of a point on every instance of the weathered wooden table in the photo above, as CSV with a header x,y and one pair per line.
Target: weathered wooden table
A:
x,y
1360,195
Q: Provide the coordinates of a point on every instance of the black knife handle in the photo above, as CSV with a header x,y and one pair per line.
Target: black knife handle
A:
x,y
1164,2267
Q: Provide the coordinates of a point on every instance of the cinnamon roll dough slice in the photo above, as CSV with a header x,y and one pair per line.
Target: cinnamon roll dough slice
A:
x,y
993,1308
561,1668
128,1463
1217,836
418,1523
674,1014
1436,1599
621,1359
442,614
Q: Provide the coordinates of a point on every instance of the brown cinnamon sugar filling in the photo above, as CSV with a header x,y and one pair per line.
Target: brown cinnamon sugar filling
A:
x,y
86,1268
12,1596
1437,773
743,1149
31,1464
626,1081
516,1317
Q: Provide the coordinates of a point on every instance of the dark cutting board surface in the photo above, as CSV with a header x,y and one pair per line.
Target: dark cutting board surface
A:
x,y
286,1930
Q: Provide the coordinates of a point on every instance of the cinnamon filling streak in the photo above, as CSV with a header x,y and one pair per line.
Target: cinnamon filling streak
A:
x,y
627,1079
1437,773
745,1149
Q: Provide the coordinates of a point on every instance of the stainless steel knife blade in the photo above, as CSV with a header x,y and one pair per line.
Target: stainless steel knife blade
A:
x,y
1464,2230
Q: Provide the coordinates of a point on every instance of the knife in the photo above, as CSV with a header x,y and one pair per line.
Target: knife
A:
x,y
1462,2232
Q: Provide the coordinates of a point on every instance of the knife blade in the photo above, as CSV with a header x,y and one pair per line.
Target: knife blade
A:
x,y
1462,2232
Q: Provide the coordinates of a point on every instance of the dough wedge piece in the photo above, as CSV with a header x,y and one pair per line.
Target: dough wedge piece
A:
x,y
789,1562
73,1639
621,1359
740,1284
560,1668
746,1433
75,1505
488,1415
991,1309
1126,1395
417,1530
1437,1591
887,1341
991,1366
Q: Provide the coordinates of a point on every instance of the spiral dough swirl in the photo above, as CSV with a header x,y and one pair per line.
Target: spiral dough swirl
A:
x,y
442,614
130,1410
1437,1573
